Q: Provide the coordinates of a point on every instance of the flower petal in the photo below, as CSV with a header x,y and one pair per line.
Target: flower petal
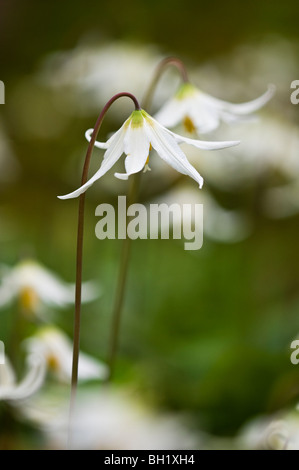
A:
x,y
100,145
172,112
112,154
241,108
204,144
168,149
30,384
136,147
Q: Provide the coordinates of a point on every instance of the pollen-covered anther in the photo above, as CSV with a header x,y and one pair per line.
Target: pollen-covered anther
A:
x,y
29,299
146,166
189,125
53,362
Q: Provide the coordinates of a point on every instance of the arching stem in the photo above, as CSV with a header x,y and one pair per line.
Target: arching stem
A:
x,y
79,255
159,72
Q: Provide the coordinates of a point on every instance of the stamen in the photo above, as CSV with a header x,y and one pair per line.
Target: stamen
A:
x,y
188,124
146,167
28,300
53,362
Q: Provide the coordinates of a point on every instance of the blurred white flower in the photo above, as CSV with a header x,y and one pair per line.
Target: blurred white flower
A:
x,y
135,138
12,391
266,147
203,113
109,419
279,432
219,224
86,72
36,286
56,349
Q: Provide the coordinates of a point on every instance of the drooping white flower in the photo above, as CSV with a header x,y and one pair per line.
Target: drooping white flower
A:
x,y
203,113
135,138
12,391
35,285
56,348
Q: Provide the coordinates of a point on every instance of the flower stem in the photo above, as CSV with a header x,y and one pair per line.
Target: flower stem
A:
x,y
79,255
121,283
159,71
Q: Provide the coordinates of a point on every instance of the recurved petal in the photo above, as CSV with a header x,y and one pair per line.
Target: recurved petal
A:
x,y
100,145
112,154
241,108
203,144
168,149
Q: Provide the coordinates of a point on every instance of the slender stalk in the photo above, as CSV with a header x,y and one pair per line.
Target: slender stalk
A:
x,y
79,253
132,197
121,282
159,71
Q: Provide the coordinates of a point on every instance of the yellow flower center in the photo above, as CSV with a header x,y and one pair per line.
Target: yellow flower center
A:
x,y
189,125
53,362
28,299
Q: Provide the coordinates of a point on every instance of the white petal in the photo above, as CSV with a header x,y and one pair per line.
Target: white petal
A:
x,y
136,147
205,118
30,384
100,145
7,375
204,144
173,112
112,154
166,146
242,108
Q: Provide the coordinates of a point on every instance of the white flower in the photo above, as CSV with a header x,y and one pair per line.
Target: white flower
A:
x,y
12,391
203,113
56,349
109,419
34,285
135,138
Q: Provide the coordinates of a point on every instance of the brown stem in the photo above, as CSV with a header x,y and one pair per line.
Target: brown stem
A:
x,y
79,256
159,71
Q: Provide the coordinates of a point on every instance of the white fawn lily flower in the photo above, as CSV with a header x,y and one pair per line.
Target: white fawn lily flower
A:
x,y
35,286
202,113
56,348
12,391
137,136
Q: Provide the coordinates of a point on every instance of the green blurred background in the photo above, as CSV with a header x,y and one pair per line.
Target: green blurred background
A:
x,y
207,332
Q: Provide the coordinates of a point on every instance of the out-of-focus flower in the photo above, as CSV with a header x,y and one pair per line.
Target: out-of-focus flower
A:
x,y
56,349
86,72
219,224
267,147
109,419
9,166
36,286
12,391
203,113
271,433
135,138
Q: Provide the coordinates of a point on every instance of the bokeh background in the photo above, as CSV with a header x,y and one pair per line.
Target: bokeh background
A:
x,y
205,334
